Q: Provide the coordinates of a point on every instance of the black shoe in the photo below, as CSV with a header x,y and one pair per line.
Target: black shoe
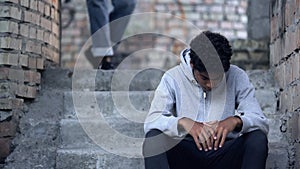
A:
x,y
94,61
105,64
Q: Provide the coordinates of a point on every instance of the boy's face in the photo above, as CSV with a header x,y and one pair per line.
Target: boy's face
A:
x,y
205,81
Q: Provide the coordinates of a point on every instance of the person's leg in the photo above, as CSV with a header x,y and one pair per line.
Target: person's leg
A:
x,y
255,150
99,19
187,155
117,18
248,151
155,146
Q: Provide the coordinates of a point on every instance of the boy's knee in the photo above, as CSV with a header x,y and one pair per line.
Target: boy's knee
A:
x,y
154,142
257,141
153,132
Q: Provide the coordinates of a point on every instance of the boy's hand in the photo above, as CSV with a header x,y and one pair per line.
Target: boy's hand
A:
x,y
202,133
224,127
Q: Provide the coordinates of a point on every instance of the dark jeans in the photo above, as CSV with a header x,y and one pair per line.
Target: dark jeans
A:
x,y
103,27
248,151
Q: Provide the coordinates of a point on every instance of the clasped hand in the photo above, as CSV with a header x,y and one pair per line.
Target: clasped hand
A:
x,y
209,135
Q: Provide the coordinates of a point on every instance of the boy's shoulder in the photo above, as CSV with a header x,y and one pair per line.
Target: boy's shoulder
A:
x,y
235,70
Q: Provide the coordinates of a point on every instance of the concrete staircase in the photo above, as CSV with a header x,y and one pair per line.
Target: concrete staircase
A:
x,y
83,125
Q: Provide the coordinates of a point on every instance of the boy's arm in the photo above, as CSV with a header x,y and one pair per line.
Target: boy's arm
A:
x,y
161,115
248,108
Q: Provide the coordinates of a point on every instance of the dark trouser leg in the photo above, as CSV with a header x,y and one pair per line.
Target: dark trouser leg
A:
x,y
247,152
154,150
256,150
117,18
99,23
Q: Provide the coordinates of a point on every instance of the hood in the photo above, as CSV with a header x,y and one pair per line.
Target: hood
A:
x,y
186,66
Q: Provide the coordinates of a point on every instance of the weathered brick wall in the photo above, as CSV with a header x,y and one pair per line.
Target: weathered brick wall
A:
x,y
250,54
258,19
285,60
29,40
227,17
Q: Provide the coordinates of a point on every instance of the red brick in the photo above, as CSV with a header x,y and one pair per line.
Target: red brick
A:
x,y
293,126
33,46
26,91
11,12
10,43
298,35
40,34
287,14
55,42
25,3
46,23
289,101
295,67
41,6
4,148
55,57
40,63
55,29
9,59
10,103
32,77
32,33
33,4
16,75
52,15
23,60
288,72
32,62
47,37
273,25
47,52
31,17
57,15
296,99
8,128
24,30
4,73
9,26
280,75
47,10
283,100
295,104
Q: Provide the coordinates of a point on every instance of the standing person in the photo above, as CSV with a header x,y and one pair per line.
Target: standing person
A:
x,y
105,32
192,121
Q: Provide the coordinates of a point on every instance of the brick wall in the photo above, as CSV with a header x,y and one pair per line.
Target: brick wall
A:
x,y
227,17
285,61
29,40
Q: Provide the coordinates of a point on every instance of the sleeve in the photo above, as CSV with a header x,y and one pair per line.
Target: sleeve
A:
x,y
162,114
248,107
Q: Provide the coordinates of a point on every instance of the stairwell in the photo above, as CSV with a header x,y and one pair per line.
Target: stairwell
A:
x,y
51,136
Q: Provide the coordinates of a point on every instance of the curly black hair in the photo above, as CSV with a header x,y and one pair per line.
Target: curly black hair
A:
x,y
205,47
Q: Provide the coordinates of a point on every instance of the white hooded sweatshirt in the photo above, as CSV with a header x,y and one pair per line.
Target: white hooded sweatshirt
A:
x,y
179,95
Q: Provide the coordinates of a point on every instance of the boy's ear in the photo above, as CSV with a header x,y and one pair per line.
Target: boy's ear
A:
x,y
191,64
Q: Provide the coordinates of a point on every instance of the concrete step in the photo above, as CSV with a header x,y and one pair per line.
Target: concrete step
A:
x,y
113,142
91,159
124,80
133,105
278,156
102,80
100,134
